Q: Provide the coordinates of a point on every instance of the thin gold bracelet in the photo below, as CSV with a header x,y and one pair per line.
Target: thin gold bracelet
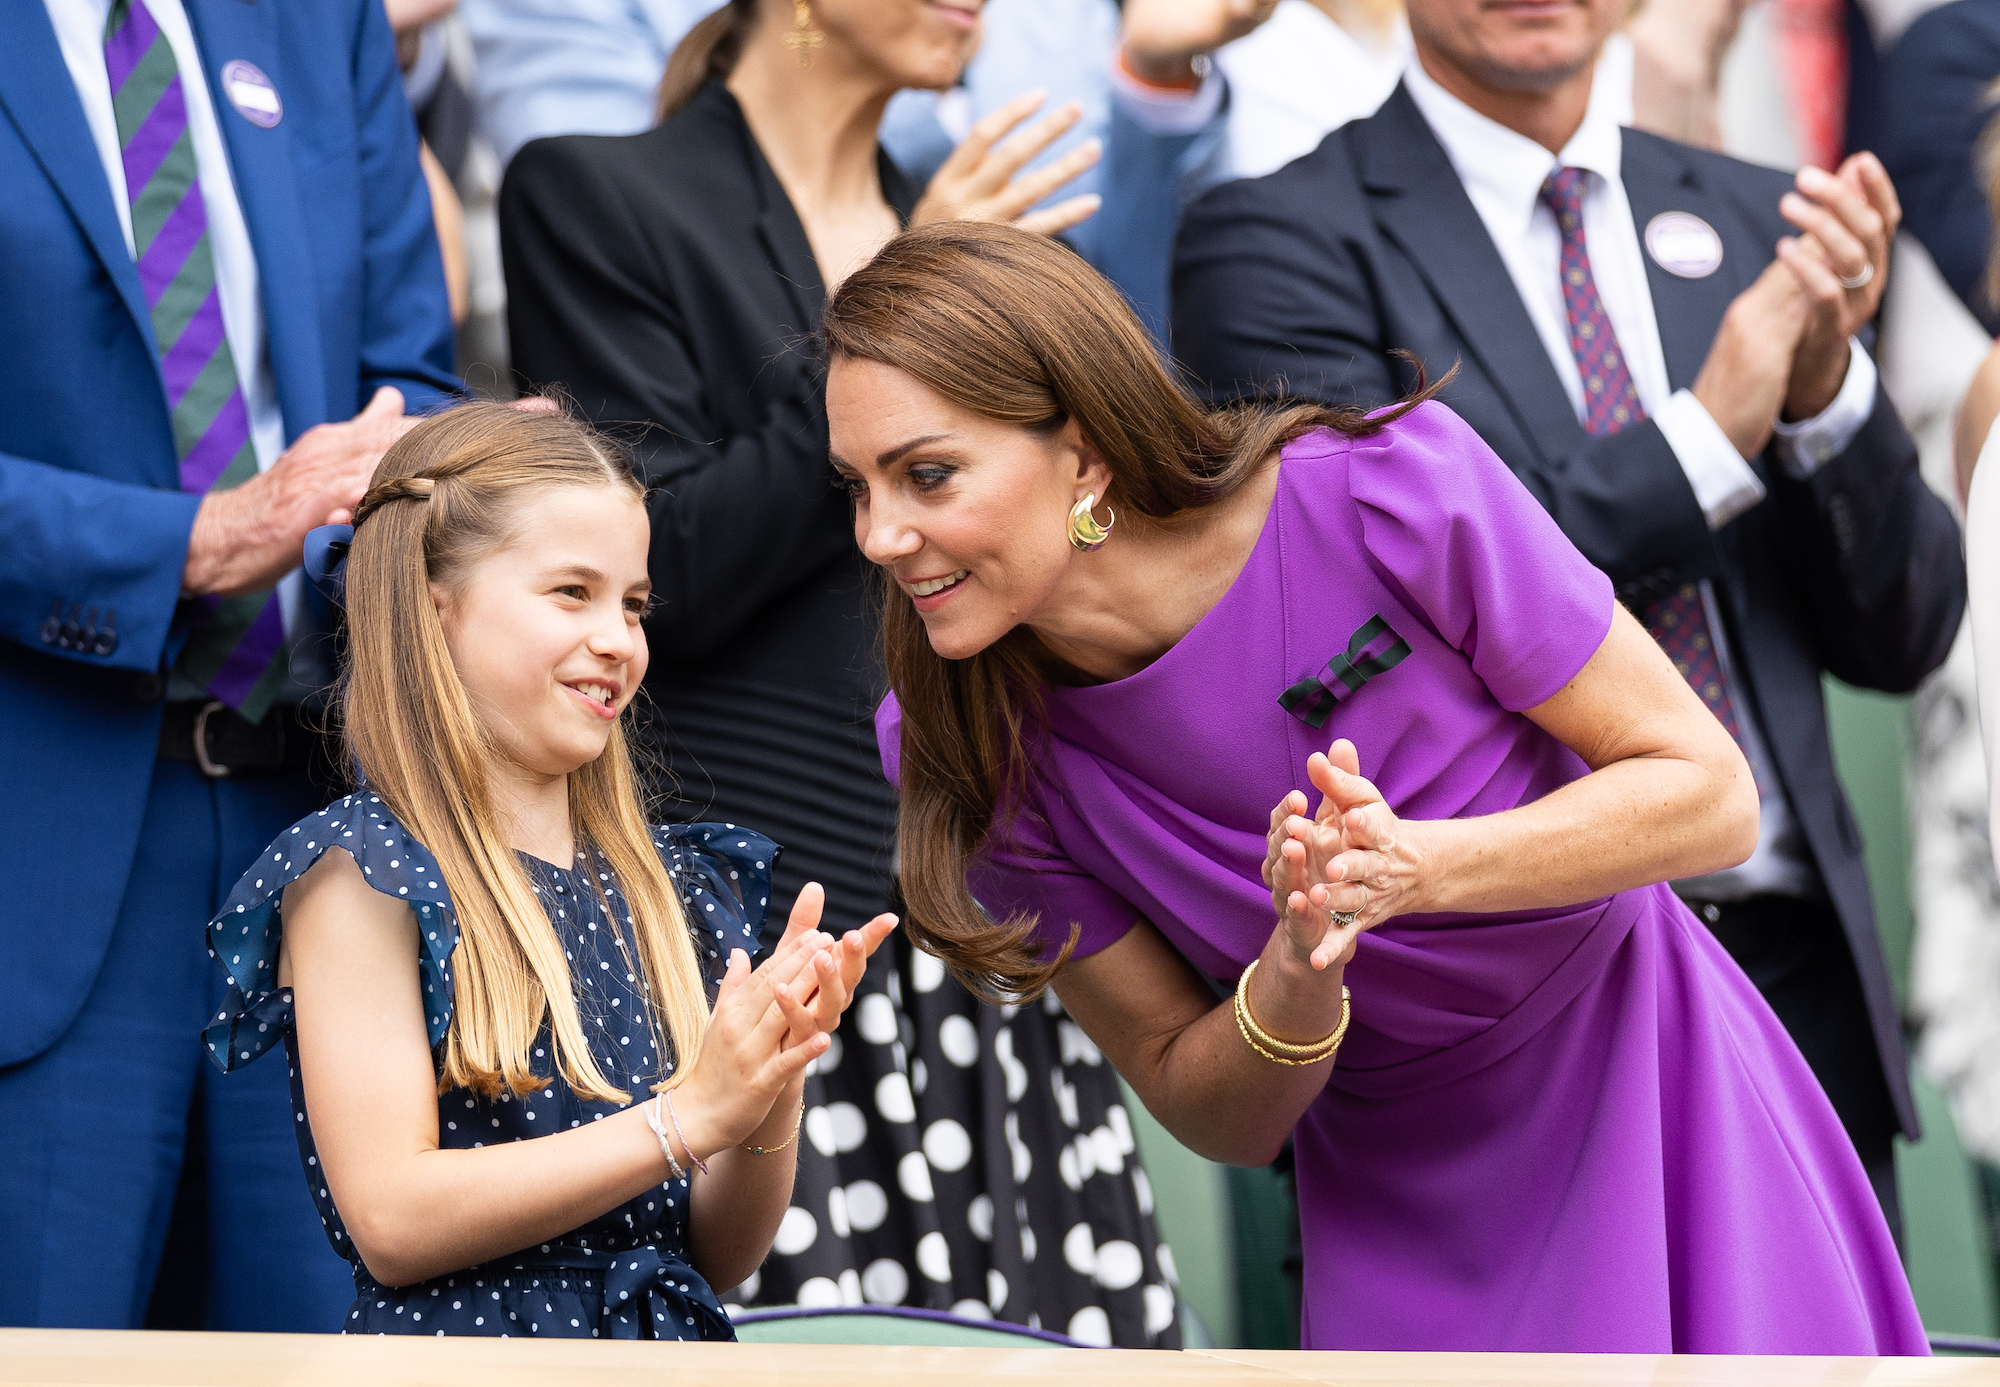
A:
x,y
1283,1052
774,1150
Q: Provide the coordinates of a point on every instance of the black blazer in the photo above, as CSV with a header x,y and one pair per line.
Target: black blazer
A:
x,y
1305,281
665,281
1932,115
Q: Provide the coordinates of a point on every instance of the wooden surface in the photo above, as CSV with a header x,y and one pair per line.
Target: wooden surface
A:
x,y
134,1359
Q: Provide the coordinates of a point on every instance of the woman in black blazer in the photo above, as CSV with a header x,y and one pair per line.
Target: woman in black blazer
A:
x,y
954,1156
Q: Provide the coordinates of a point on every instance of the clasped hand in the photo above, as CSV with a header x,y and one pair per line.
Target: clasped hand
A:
x,y
770,1022
1352,859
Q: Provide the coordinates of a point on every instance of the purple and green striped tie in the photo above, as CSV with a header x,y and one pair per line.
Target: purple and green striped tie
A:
x,y
237,652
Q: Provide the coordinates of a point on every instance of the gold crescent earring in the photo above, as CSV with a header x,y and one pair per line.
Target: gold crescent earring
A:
x,y
1084,531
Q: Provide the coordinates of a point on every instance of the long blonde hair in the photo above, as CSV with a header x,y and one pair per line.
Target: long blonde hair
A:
x,y
445,497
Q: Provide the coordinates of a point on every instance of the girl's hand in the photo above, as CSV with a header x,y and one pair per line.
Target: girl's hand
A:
x,y
1351,866
814,1000
744,1063
977,184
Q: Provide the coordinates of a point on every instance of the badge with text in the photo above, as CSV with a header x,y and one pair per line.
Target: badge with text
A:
x,y
252,94
1372,650
1684,245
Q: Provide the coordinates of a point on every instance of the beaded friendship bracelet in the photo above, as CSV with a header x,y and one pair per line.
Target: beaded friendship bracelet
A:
x,y
673,1117
652,1111
1279,1051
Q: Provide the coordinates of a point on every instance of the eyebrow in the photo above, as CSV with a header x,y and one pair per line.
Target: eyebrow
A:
x,y
895,454
590,575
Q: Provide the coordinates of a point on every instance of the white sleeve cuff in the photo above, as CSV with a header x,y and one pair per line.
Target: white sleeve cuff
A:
x,y
1804,447
1724,484
1163,111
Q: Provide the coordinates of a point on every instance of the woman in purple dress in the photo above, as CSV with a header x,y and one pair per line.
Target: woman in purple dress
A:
x,y
1560,1117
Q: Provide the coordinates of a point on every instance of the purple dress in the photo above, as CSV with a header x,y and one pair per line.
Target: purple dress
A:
x,y
1575,1129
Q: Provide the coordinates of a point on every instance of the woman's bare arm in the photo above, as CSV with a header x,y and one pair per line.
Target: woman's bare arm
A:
x,y
1669,795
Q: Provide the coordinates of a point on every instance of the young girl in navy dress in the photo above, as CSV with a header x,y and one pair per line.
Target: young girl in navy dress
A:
x,y
540,1089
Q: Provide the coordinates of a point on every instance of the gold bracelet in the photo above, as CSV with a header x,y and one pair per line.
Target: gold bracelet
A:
x,y
774,1150
1283,1052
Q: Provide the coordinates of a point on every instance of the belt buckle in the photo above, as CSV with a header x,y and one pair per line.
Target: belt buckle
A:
x,y
208,768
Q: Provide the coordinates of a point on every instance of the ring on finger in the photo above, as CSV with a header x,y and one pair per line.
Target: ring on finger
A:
x,y
1861,280
1342,919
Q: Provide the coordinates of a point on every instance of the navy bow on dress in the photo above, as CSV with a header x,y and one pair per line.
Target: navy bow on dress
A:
x,y
1372,650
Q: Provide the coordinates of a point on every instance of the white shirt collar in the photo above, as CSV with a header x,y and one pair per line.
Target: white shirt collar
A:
x,y
1504,170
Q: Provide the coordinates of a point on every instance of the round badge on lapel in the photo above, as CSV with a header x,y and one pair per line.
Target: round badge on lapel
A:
x,y
252,94
1684,244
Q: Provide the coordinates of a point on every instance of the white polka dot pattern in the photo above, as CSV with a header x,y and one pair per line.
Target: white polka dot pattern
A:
x,y
622,1275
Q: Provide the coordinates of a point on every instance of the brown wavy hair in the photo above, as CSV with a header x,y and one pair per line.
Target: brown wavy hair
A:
x,y
1016,328
447,495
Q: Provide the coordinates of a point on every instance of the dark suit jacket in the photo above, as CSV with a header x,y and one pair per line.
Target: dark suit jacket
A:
x,y
1305,281
665,281
93,521
1934,109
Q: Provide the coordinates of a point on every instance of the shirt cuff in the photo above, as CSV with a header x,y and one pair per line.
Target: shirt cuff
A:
x,y
1805,447
1724,484
1164,110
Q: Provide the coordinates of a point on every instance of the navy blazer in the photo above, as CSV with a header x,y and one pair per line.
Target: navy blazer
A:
x,y
92,517
1304,282
1933,111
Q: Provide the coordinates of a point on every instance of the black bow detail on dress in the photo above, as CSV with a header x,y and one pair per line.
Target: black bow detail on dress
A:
x,y
1372,650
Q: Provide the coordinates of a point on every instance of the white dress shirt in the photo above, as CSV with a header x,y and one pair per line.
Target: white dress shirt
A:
x,y
1503,172
1298,76
79,26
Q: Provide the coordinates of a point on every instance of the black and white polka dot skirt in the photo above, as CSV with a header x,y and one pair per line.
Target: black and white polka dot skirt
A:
x,y
970,1158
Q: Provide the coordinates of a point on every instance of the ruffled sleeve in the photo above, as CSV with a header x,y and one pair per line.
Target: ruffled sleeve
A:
x,y
1445,522
723,873
243,939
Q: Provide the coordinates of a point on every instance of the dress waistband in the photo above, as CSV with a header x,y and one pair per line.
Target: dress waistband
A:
x,y
648,1293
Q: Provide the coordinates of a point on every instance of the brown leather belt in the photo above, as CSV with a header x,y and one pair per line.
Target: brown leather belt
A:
x,y
221,742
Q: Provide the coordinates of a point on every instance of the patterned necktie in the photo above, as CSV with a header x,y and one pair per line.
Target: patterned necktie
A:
x,y
237,651
1677,621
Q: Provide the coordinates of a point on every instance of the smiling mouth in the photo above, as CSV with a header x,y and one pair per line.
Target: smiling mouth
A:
x,y
931,586
603,695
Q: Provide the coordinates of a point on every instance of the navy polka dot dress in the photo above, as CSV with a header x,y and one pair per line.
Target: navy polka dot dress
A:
x,y
623,1275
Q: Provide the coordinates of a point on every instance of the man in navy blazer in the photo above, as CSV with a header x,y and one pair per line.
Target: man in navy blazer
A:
x,y
1695,412
214,235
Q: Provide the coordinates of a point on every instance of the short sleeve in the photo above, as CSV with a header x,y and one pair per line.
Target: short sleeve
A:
x,y
1454,531
1021,871
243,940
723,874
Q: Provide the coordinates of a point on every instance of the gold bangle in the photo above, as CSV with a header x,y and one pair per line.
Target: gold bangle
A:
x,y
774,1150
1283,1052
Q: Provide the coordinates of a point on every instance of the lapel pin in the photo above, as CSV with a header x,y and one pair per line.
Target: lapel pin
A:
x,y
252,94
1683,244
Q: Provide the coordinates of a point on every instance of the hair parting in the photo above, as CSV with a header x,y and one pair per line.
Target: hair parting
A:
x,y
1017,328
411,731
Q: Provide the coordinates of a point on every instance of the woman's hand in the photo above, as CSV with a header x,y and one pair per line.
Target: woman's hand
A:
x,y
745,1062
1353,859
977,183
1164,37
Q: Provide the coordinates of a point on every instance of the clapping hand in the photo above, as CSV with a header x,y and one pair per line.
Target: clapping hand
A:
x,y
977,182
815,997
1841,261
1346,869
1164,37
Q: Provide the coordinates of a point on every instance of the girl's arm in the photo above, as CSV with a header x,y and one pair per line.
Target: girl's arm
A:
x,y
415,1211
1669,796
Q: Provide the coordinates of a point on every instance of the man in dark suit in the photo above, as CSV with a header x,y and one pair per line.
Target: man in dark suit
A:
x,y
1694,412
219,288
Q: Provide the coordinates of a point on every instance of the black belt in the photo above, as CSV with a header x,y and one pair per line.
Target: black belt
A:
x,y
219,740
